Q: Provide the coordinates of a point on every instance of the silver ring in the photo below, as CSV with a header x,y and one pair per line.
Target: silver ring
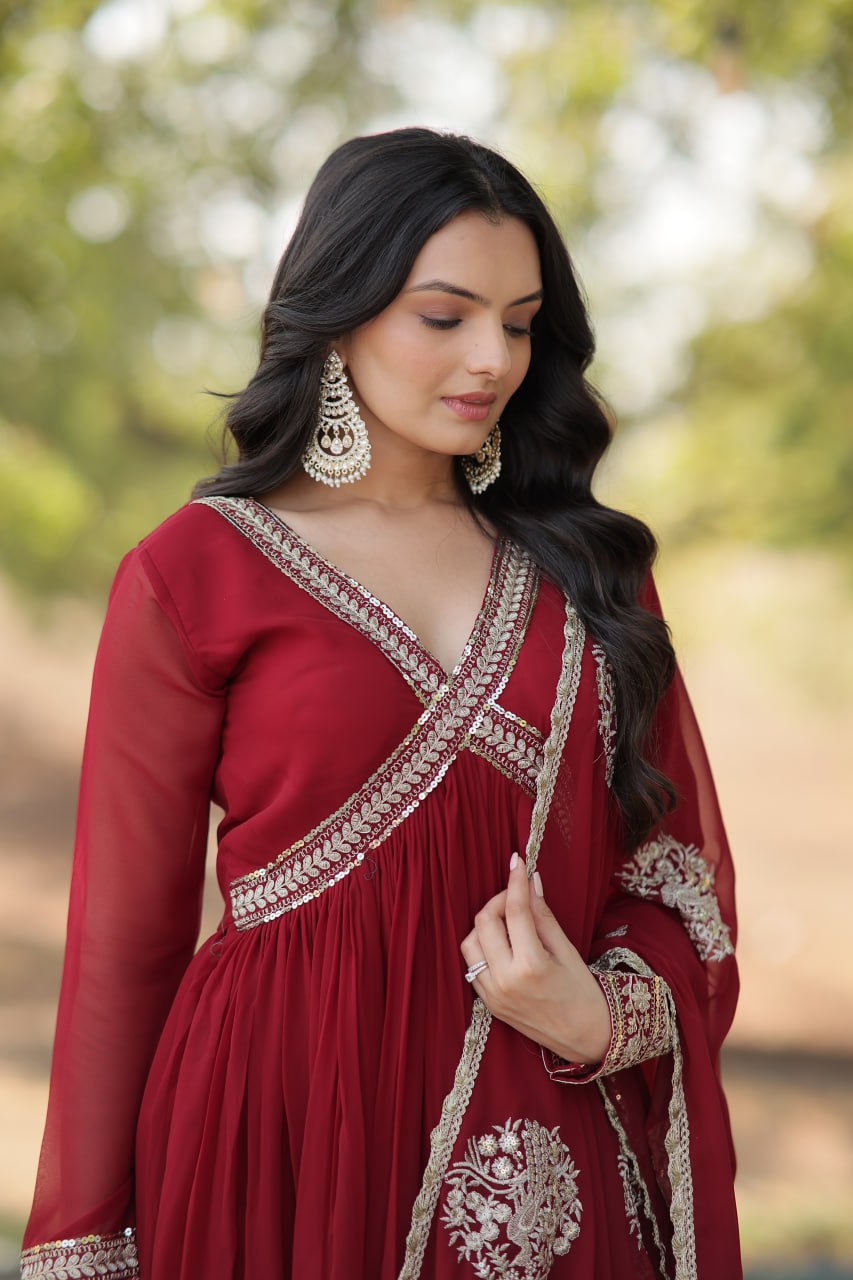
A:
x,y
476,969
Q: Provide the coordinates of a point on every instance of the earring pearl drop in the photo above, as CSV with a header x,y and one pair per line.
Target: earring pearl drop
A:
x,y
339,452
483,467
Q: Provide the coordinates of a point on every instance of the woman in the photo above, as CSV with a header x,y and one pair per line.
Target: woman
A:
x,y
424,674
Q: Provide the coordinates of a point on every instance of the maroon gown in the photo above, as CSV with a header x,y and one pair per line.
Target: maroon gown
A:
x,y
316,1092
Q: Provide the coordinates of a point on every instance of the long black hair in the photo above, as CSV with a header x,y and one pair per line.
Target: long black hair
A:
x,y
373,205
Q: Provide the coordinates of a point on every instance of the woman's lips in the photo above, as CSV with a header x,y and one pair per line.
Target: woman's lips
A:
x,y
473,408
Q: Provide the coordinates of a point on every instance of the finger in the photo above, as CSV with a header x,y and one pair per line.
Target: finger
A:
x,y
520,924
551,934
472,953
491,934
471,950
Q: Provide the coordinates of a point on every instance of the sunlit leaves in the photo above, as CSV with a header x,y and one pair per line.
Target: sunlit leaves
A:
x,y
155,157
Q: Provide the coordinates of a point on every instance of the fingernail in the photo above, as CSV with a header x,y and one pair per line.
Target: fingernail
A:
x,y
513,862
537,885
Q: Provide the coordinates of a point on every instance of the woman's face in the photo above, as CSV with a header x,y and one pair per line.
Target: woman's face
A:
x,y
439,364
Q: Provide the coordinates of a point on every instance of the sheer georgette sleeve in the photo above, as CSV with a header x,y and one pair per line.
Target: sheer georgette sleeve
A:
x,y
663,953
151,747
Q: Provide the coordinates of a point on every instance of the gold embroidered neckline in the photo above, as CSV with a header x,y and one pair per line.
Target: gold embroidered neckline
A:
x,y
354,604
389,612
394,791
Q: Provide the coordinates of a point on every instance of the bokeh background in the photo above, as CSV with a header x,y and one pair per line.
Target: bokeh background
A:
x,y
154,154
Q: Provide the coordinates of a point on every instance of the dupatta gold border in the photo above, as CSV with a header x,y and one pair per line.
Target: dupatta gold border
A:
x,y
677,1140
445,1133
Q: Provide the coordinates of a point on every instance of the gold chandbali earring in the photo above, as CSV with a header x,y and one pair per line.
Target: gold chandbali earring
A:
x,y
339,452
484,466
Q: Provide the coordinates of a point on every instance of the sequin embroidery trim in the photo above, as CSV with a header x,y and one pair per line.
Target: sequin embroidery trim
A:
x,y
338,844
504,739
94,1255
511,744
349,599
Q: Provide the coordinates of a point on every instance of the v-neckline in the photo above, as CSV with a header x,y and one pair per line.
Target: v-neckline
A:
x,y
447,677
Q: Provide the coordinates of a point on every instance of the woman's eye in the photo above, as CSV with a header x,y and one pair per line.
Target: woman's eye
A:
x,y
436,322
433,323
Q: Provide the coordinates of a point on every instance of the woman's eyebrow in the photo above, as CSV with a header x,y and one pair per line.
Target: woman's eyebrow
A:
x,y
444,286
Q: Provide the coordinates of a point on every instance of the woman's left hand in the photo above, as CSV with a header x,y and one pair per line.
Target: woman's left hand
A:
x,y
536,980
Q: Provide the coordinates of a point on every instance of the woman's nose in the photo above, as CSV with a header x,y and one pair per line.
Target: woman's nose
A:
x,y
490,352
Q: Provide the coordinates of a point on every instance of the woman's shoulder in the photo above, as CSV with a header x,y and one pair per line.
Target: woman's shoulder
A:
x,y
189,531
208,579
193,545
200,563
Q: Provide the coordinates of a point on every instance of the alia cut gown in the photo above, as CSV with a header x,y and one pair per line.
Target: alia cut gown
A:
x,y
317,1092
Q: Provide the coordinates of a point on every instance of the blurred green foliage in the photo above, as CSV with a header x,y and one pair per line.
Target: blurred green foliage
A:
x,y
765,450
119,302
153,159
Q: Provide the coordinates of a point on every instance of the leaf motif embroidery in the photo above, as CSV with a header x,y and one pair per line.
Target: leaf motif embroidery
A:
x,y
89,1256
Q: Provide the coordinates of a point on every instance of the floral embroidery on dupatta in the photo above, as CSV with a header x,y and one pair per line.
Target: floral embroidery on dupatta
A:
x,y
606,710
632,1197
113,1256
513,1204
678,876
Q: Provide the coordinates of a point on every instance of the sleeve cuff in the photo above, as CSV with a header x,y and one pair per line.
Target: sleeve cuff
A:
x,y
114,1256
640,1023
